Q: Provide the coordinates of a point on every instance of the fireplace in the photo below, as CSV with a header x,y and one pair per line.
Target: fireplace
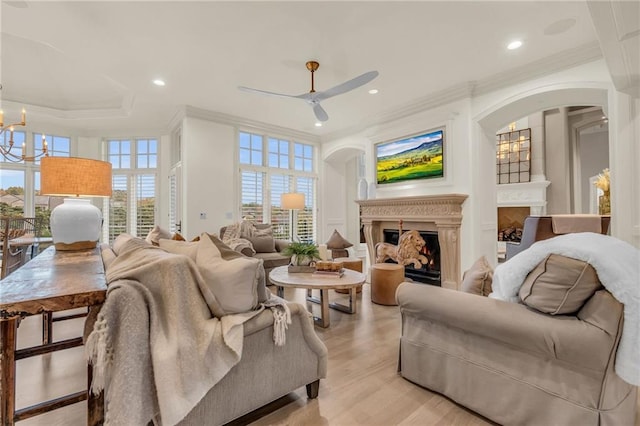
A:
x,y
511,223
439,214
430,271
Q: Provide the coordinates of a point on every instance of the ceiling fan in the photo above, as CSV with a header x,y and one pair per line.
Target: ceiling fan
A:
x,y
314,98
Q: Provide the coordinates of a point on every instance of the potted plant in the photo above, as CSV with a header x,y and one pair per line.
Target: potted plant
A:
x,y
301,253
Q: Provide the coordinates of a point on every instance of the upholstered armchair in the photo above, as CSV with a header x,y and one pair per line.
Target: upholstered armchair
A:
x,y
544,347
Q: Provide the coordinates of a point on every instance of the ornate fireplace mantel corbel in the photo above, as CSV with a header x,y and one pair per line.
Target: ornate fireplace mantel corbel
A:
x,y
431,212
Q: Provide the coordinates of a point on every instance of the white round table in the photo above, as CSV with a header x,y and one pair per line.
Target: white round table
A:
x,y
281,278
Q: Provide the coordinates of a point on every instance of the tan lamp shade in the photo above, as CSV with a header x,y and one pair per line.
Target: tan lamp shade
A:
x,y
71,176
292,201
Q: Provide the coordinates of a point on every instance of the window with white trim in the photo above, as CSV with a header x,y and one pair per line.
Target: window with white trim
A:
x,y
132,206
20,181
269,167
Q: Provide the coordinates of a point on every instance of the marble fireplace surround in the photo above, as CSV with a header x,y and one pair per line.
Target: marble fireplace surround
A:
x,y
441,213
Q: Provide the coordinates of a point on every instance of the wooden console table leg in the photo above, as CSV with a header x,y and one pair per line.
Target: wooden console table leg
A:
x,y
47,328
8,329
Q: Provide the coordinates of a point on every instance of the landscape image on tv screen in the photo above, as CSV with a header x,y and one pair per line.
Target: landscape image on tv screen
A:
x,y
416,157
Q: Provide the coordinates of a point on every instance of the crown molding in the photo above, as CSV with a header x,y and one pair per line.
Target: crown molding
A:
x,y
245,123
433,100
549,65
124,111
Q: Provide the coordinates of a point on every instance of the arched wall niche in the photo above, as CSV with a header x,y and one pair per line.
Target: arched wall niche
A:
x,y
340,177
489,121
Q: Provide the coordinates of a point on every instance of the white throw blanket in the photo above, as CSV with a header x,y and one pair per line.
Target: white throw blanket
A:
x,y
155,340
235,236
618,266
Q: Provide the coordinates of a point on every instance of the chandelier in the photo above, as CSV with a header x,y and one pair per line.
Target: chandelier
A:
x,y
6,151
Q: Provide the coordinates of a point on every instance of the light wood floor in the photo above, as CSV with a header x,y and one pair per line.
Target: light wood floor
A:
x,y
362,386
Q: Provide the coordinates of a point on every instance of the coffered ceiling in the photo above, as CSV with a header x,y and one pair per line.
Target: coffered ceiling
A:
x,y
90,65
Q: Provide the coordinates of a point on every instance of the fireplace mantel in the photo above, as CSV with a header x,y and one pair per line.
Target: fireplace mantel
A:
x,y
441,213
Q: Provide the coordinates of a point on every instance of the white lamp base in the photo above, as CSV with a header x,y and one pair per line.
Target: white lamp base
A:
x,y
76,224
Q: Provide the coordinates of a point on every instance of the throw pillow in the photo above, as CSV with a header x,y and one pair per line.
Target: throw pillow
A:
x,y
228,253
263,243
178,237
478,278
337,241
233,283
261,230
559,285
156,234
189,249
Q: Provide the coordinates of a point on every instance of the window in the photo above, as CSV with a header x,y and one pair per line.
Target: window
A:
x,y
19,141
513,156
12,189
252,195
57,146
278,153
20,181
132,206
270,167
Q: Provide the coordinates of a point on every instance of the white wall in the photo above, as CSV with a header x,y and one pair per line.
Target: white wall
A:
x,y
209,176
556,143
594,157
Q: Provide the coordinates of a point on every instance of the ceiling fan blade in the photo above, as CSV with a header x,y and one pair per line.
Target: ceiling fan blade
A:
x,y
347,85
264,92
320,113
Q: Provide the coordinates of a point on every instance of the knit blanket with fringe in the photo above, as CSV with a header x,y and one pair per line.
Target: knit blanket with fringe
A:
x,y
155,342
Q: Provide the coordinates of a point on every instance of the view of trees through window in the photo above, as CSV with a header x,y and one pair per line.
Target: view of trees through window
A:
x,y
270,167
132,206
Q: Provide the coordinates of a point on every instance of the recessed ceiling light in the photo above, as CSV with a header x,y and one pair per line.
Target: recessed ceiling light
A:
x,y
318,124
373,91
514,45
159,82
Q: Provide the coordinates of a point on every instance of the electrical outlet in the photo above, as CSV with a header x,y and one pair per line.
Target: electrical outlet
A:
x,y
229,215
203,216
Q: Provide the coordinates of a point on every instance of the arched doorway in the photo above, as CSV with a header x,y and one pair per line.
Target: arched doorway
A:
x,y
487,124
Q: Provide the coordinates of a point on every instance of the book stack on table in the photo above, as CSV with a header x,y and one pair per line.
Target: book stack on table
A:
x,y
330,269
336,274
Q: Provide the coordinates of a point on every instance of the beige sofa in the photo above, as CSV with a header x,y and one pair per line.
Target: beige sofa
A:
x,y
513,364
271,259
266,372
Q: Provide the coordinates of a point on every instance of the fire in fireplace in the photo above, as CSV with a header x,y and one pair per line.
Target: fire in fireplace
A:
x,y
430,272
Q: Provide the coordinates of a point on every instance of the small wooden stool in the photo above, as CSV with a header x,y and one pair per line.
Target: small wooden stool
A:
x,y
385,279
353,263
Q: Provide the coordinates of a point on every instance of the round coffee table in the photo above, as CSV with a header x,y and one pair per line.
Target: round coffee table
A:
x,y
281,278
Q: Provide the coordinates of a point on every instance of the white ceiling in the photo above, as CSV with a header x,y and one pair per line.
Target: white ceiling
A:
x,y
91,64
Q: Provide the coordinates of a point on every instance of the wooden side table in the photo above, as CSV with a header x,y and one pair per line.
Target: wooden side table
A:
x,y
385,279
51,282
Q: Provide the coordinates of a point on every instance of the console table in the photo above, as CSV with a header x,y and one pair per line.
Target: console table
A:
x,y
53,281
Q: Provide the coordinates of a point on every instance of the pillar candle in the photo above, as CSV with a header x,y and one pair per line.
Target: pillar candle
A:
x,y
322,251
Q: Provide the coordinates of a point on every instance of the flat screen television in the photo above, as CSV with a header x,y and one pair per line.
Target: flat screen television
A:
x,y
414,157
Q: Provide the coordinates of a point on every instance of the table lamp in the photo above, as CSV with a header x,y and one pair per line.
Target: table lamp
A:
x,y
75,224
292,201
